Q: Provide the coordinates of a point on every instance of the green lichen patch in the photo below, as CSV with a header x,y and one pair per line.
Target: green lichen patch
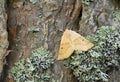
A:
x,y
116,15
93,65
34,1
35,68
87,2
34,29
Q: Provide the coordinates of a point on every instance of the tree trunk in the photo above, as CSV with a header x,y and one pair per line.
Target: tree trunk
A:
x,y
31,25
3,34
35,23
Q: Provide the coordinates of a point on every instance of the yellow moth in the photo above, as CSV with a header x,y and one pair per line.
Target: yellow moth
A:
x,y
71,41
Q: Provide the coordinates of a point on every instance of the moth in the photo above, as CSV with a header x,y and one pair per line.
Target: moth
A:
x,y
70,42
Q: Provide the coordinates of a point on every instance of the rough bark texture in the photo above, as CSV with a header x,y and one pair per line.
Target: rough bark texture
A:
x,y
41,23
31,25
3,35
100,13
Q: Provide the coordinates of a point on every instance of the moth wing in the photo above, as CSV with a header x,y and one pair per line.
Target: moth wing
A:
x,y
79,42
66,48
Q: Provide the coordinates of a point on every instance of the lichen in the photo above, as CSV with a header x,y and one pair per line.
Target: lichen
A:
x,y
35,68
34,1
34,29
93,65
116,15
87,2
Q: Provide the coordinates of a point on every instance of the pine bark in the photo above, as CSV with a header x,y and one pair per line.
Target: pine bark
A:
x,y
34,23
3,34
